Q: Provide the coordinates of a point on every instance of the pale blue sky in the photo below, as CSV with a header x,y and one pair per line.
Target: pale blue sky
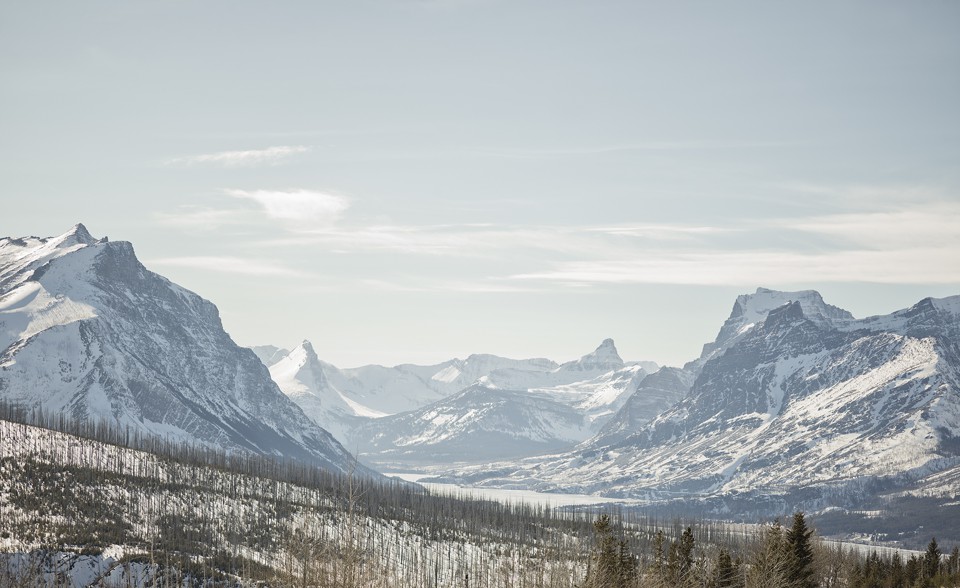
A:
x,y
415,180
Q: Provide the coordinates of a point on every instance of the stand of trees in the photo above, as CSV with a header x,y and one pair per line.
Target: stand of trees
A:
x,y
184,515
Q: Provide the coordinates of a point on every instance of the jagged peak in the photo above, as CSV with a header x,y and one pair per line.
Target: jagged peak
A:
x,y
306,352
605,356
752,308
77,235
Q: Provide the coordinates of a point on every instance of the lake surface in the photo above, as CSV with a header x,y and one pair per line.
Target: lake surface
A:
x,y
508,496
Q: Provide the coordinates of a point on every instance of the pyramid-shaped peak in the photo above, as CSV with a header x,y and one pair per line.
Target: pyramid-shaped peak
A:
x,y
81,234
603,357
306,350
77,235
607,347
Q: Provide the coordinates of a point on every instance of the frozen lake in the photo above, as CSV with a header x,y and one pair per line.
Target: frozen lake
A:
x,y
507,496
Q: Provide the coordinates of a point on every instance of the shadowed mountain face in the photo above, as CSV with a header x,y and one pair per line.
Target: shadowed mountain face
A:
x,y
799,401
87,330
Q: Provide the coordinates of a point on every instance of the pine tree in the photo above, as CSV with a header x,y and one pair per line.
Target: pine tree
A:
x,y
800,570
931,559
612,564
725,575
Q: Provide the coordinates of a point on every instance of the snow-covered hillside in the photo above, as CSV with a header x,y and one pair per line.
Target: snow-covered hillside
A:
x,y
799,400
87,331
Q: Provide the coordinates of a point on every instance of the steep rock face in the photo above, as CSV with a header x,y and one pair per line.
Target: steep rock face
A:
x,y
654,394
87,330
750,310
814,408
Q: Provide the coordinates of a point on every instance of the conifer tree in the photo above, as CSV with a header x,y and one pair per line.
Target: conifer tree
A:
x,y
725,575
800,570
931,559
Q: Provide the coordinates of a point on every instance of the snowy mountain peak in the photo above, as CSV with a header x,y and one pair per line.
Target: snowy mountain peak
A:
x,y
750,308
77,235
308,350
753,309
604,357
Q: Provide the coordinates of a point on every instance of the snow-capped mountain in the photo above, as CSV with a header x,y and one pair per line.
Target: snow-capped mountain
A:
x,y
303,378
751,309
87,331
508,413
799,401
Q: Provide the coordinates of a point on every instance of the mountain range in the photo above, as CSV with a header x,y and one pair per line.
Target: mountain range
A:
x,y
477,409
795,404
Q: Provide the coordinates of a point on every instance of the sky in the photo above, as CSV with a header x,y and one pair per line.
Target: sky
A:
x,y
414,180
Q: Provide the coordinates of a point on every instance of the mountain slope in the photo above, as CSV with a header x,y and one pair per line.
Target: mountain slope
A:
x,y
807,405
86,330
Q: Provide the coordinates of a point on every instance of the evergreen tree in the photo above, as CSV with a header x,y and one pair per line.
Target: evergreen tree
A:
x,y
931,559
911,571
800,570
953,563
613,566
725,575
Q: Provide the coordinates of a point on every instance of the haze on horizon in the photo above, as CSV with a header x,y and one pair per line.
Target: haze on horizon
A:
x,y
409,181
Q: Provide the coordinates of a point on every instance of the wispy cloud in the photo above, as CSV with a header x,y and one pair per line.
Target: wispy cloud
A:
x,y
739,268
253,157
231,265
300,206
935,224
917,241
917,244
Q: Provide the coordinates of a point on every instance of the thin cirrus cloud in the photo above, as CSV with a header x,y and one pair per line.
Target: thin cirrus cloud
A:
x,y
231,265
915,245
248,158
737,268
297,206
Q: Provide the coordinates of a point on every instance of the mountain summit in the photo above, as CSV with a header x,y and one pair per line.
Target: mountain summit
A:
x,y
750,310
603,358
